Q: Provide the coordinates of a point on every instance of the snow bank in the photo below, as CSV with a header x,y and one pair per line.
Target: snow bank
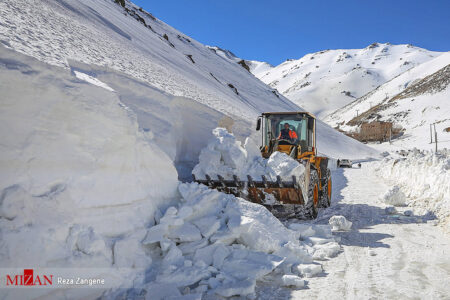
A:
x,y
216,244
423,177
226,156
78,180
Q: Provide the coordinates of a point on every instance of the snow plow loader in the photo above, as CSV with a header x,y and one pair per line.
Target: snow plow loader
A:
x,y
293,133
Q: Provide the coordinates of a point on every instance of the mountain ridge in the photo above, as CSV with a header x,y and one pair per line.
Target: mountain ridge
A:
x,y
327,80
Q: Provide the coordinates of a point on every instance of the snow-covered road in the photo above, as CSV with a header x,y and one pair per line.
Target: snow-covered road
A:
x,y
384,256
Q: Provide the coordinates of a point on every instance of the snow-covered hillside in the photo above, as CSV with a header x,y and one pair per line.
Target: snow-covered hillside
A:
x,y
324,81
253,66
413,100
134,42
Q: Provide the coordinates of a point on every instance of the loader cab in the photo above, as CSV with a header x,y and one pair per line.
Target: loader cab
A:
x,y
302,123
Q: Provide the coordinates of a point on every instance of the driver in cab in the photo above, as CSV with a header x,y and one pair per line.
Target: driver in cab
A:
x,y
287,134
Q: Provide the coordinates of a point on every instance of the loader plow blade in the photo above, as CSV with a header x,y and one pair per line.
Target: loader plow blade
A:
x,y
264,191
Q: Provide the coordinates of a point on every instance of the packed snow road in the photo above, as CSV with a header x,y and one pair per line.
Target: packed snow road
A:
x,y
385,256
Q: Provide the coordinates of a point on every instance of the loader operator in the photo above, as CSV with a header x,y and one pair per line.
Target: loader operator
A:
x,y
287,133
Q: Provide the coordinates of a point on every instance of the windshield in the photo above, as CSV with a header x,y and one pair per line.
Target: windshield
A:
x,y
301,125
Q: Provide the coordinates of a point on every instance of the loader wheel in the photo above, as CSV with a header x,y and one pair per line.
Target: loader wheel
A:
x,y
312,204
325,199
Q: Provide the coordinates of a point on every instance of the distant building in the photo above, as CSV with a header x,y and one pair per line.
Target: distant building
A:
x,y
375,131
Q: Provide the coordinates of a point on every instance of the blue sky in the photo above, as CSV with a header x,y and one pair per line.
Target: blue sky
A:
x,y
274,31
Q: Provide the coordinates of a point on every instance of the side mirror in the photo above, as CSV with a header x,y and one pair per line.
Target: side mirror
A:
x,y
258,124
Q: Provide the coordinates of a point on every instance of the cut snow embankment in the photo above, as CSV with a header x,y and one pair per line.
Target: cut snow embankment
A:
x,y
225,156
422,181
78,179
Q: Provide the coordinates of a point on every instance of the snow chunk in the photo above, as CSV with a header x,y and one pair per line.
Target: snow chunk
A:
x,y
219,256
241,287
225,156
161,291
325,251
185,233
293,253
221,244
184,276
292,280
395,197
283,165
207,225
191,247
245,264
129,252
304,229
205,254
156,234
88,241
339,223
257,227
174,256
309,270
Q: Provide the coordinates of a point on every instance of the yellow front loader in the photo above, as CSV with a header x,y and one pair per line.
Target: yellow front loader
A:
x,y
299,197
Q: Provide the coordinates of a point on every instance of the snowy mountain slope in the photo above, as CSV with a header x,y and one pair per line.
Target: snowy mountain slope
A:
x,y
258,67
253,66
327,80
101,33
412,100
135,43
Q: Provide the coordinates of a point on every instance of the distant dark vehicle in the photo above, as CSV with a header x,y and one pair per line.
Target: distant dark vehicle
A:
x,y
344,163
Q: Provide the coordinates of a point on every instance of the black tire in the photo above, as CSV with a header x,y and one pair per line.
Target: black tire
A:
x,y
311,206
325,198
